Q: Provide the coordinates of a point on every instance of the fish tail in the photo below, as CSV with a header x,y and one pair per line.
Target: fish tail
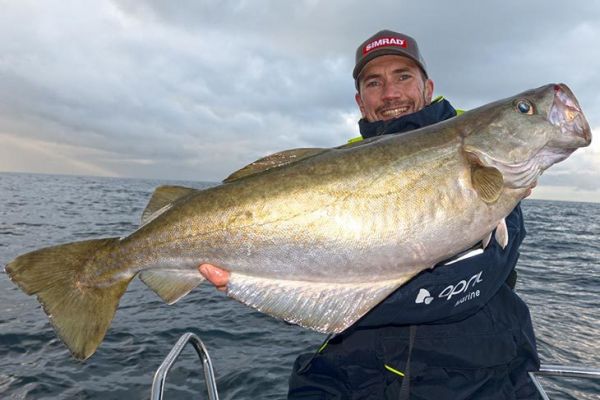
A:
x,y
80,314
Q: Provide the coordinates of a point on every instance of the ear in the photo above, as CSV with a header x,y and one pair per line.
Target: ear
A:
x,y
428,90
360,104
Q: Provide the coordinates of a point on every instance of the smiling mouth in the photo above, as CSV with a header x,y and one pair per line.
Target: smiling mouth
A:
x,y
394,112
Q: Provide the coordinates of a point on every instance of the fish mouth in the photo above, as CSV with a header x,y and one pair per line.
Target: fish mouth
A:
x,y
566,114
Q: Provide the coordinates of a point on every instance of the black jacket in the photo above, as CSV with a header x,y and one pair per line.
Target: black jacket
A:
x,y
473,337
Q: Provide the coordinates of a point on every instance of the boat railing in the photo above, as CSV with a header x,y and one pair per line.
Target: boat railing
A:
x,y
158,384
562,371
160,376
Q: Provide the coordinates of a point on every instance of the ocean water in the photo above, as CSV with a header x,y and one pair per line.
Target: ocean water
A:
x,y
559,278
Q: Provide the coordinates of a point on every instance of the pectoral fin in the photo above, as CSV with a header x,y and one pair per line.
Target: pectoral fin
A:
x,y
488,182
515,174
322,306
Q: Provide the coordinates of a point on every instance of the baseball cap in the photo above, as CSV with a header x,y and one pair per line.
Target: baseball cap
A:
x,y
384,43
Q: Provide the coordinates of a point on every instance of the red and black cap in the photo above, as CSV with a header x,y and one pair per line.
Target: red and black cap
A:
x,y
384,43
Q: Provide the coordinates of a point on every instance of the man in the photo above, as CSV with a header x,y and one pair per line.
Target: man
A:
x,y
457,331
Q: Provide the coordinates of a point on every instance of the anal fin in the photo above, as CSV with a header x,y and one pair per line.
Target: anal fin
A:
x,y
171,284
326,307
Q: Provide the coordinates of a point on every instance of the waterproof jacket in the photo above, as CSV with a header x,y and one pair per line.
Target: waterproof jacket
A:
x,y
472,336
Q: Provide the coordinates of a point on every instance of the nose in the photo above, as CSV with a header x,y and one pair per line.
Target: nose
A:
x,y
390,91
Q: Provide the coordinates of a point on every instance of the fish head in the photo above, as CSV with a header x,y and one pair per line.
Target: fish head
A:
x,y
524,135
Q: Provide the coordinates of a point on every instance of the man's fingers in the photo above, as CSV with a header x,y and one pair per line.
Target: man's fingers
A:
x,y
530,189
217,276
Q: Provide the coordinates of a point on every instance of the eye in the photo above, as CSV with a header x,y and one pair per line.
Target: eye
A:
x,y
525,107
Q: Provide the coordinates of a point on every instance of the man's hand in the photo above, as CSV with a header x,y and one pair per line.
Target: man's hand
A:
x,y
528,193
215,275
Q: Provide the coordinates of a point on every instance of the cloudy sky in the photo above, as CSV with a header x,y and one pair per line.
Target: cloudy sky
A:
x,y
194,89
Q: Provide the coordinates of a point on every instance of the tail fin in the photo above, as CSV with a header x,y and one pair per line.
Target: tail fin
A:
x,y
80,314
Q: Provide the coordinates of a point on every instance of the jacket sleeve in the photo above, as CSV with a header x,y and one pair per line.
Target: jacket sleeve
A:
x,y
452,292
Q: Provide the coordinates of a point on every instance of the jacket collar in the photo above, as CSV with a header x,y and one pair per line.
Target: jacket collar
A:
x,y
437,111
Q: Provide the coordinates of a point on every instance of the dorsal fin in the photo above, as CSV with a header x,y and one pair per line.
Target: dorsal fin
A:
x,y
273,161
161,199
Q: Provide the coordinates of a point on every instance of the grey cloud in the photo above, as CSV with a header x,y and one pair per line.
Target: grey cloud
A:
x,y
161,88
583,180
476,53
151,100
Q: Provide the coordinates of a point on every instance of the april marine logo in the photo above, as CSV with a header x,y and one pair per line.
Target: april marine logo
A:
x,y
423,297
461,288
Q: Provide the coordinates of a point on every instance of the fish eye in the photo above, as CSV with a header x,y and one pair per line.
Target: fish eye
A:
x,y
525,107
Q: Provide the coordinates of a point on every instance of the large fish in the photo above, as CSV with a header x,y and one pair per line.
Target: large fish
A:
x,y
317,237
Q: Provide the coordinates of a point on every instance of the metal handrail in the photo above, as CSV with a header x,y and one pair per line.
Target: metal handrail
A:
x,y
158,384
570,371
564,371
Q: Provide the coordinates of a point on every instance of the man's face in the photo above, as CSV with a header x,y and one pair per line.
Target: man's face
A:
x,y
391,86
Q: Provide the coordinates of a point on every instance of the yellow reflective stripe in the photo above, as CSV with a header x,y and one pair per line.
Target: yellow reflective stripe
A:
x,y
440,98
437,99
323,346
394,370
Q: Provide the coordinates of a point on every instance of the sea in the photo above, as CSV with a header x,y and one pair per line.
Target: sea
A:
x,y
252,354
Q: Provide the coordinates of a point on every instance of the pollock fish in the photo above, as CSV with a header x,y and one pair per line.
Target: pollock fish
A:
x,y
317,237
